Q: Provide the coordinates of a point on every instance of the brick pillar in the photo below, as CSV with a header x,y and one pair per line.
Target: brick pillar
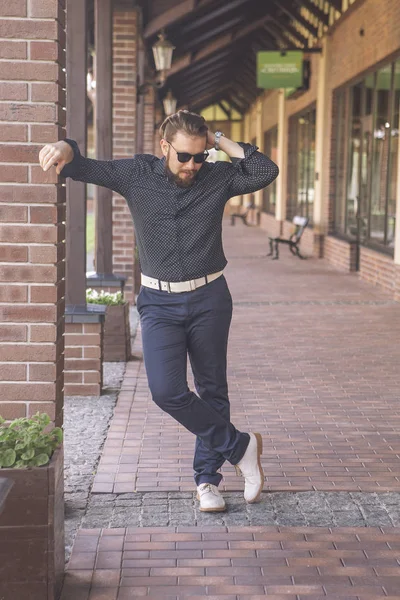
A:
x,y
158,119
124,118
149,121
32,209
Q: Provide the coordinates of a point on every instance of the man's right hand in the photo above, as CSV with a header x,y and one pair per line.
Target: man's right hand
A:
x,y
59,154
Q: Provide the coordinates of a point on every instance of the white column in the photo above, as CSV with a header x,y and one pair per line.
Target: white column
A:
x,y
322,140
397,234
282,157
237,135
258,196
246,138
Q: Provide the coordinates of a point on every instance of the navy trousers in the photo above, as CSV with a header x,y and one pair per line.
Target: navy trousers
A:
x,y
194,324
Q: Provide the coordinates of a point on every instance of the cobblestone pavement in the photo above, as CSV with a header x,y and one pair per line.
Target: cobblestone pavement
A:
x,y
86,422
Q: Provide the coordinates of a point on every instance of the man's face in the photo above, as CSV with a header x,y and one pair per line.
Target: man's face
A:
x,y
184,174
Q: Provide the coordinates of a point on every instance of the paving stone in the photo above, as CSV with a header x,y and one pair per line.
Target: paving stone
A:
x,y
306,563
328,413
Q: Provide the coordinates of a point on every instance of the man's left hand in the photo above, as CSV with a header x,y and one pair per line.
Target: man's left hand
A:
x,y
210,140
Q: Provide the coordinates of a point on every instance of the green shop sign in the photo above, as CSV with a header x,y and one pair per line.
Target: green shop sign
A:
x,y
279,69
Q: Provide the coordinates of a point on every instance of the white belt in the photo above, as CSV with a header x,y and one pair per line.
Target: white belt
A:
x,y
178,286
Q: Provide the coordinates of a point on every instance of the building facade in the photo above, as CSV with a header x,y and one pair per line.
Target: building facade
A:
x,y
340,146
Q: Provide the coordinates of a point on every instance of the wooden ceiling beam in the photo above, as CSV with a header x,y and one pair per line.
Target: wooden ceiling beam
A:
x,y
234,104
203,64
275,35
286,28
200,88
288,8
219,44
208,98
336,4
217,31
210,16
317,12
225,110
200,78
173,15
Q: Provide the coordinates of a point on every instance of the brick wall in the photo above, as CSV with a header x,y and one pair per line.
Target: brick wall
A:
x,y
381,24
83,360
158,119
340,253
32,209
351,60
396,282
124,130
378,269
149,121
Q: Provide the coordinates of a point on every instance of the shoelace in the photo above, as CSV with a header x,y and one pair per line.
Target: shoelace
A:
x,y
207,488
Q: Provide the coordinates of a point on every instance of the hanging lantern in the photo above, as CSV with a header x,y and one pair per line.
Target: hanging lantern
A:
x,y
162,51
169,104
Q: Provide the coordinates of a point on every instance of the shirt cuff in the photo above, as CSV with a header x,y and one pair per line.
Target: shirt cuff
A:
x,y
71,168
249,149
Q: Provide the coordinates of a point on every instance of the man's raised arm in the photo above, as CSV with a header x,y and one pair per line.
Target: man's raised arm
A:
x,y
116,175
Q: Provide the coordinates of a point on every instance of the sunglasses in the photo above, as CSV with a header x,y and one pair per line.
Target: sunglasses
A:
x,y
185,157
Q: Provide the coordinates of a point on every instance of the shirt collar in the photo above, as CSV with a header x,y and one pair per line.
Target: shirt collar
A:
x,y
159,167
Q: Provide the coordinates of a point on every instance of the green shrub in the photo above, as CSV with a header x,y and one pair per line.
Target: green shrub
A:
x,y
24,443
102,297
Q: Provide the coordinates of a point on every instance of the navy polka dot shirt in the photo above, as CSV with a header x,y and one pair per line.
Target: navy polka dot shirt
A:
x,y
178,230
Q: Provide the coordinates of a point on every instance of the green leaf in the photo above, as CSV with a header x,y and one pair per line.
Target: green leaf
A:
x,y
30,453
20,445
40,460
28,441
8,457
58,434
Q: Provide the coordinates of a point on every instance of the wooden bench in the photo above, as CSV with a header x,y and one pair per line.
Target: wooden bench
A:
x,y
300,223
243,215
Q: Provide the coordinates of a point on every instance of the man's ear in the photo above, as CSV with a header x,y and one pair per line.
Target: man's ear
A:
x,y
164,146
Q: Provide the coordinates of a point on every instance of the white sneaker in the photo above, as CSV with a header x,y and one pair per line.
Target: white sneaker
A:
x,y
250,467
210,498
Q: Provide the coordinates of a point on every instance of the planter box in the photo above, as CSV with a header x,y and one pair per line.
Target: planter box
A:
x,y
117,334
32,553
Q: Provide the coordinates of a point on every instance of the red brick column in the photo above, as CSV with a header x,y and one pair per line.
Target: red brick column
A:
x,y
32,208
83,358
149,121
124,117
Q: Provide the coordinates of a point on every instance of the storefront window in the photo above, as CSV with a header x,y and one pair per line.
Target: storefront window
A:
x,y
367,118
393,173
302,163
271,150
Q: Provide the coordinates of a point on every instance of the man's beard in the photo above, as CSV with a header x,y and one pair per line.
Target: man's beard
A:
x,y
183,183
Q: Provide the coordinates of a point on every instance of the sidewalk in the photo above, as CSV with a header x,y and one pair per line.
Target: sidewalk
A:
x,y
313,366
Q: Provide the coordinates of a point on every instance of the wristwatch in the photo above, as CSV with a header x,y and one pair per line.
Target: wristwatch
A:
x,y
218,135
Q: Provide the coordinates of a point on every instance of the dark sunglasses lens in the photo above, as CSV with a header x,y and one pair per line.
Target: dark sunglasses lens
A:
x,y
184,157
200,158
